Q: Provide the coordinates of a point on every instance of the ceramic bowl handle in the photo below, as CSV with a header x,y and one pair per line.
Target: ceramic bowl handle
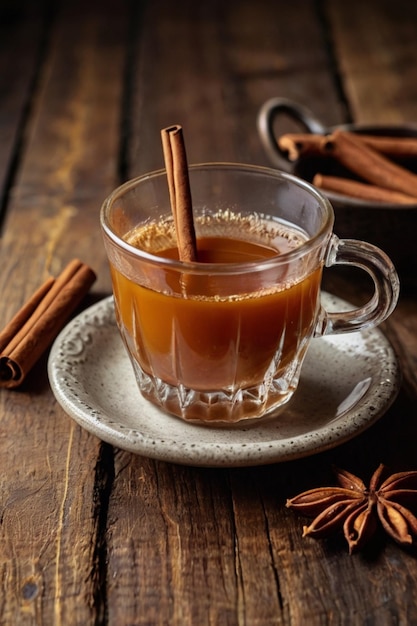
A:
x,y
268,113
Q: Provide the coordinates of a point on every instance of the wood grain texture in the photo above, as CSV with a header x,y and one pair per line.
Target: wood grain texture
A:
x,y
218,72
23,27
376,56
93,535
52,471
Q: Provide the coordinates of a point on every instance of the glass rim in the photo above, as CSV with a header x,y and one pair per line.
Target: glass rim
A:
x,y
196,267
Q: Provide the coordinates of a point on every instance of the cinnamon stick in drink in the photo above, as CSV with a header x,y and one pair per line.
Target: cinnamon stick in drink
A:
x,y
31,331
362,191
350,150
179,191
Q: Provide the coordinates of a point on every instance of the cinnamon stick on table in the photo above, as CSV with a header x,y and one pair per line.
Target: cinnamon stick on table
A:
x,y
35,326
179,191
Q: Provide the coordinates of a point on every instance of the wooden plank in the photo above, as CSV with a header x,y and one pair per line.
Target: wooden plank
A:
x,y
216,74
170,545
377,56
60,186
22,27
54,473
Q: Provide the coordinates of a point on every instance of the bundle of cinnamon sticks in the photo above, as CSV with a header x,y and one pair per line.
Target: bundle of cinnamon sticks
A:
x,y
31,331
368,157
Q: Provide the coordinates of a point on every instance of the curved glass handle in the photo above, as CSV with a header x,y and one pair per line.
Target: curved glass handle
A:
x,y
266,117
387,286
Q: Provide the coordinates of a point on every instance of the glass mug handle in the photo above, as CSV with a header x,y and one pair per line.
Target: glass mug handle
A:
x,y
378,265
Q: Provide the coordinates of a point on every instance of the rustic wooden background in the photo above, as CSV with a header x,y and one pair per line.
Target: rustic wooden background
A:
x,y
94,535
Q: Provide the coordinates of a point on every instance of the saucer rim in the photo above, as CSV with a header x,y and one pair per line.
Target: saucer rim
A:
x,y
222,452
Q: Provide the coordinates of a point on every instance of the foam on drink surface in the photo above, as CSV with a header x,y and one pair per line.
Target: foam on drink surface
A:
x,y
280,237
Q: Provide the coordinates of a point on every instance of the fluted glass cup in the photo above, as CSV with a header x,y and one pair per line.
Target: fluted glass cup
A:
x,y
221,342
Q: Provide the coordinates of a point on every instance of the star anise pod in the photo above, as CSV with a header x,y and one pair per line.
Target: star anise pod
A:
x,y
357,510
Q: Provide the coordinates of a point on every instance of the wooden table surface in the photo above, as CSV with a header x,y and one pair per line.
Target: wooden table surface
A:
x,y
90,534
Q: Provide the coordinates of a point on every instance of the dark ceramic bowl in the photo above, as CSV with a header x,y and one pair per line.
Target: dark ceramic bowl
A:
x,y
392,227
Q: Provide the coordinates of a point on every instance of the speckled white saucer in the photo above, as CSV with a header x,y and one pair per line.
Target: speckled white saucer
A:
x,y
347,383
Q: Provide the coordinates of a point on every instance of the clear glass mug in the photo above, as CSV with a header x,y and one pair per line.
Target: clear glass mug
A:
x,y
221,342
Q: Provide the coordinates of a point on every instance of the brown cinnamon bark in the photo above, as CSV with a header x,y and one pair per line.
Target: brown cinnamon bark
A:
x,y
179,191
362,191
369,164
297,145
34,327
